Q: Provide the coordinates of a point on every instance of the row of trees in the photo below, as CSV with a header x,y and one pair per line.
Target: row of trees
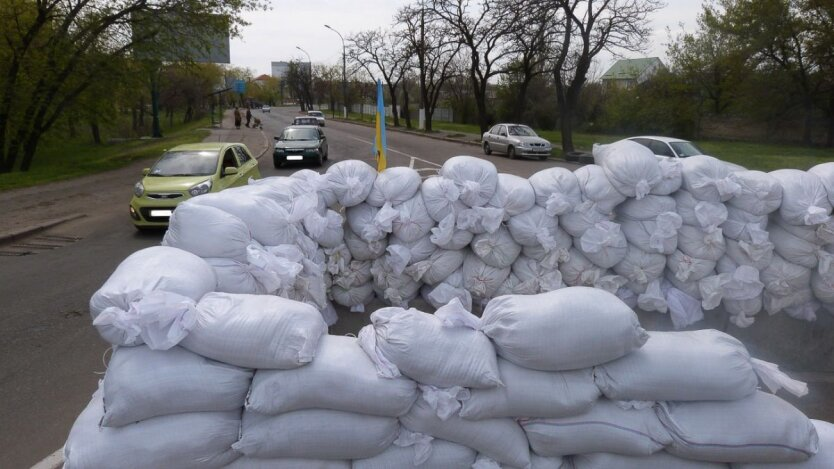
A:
x,y
61,60
766,62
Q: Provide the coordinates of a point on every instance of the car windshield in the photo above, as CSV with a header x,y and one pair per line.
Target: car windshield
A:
x,y
521,131
300,134
684,149
304,121
185,163
315,114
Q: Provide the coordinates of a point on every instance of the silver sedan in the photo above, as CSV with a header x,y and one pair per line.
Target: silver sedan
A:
x,y
515,140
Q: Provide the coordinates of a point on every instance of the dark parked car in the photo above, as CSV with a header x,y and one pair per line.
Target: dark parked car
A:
x,y
300,143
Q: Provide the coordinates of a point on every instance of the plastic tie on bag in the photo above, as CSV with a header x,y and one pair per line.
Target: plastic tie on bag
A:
x,y
743,284
398,258
484,462
815,215
353,187
825,260
454,314
653,299
302,206
445,402
360,308
557,204
444,293
367,340
420,441
714,238
642,189
727,187
742,320
712,290
271,271
776,379
635,405
470,188
551,281
683,309
710,215
417,270
162,319
610,283
483,247
490,218
315,224
442,234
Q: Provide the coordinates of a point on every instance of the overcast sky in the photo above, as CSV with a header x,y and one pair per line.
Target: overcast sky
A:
x,y
273,35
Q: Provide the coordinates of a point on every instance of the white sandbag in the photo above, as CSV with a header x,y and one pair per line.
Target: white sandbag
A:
x,y
268,222
782,278
531,393
689,269
659,460
235,277
647,208
441,454
706,215
255,331
500,439
141,383
603,244
341,377
418,250
354,297
441,197
823,286
394,185
759,194
640,266
804,198
315,434
798,250
207,232
513,195
757,255
631,167
479,219
288,463
535,227
698,243
362,250
577,222
420,346
565,329
557,190
595,186
444,292
497,249
447,236
670,176
147,272
320,183
190,440
536,276
351,181
761,428
604,428
700,365
328,231
440,264
577,270
369,222
708,179
550,259
481,279
413,221
280,189
690,287
655,236
799,304
536,462
395,288
745,226
476,178
824,458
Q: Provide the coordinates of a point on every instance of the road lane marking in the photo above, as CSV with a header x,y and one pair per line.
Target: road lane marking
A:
x,y
391,150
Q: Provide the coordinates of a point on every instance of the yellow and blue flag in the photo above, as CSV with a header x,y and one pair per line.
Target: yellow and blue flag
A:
x,y
380,145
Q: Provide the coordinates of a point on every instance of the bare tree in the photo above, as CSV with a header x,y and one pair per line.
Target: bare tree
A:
x,y
434,49
483,31
378,50
590,28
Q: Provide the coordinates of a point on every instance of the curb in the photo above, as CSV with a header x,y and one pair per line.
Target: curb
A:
x,y
53,461
39,227
266,145
434,137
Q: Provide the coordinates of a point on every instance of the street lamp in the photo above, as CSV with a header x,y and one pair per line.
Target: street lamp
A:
x,y
310,71
344,71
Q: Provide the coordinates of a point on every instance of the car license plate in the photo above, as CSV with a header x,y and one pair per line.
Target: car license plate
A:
x,y
161,213
295,158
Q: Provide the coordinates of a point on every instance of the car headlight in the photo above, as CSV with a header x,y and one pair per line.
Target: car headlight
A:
x,y
138,189
201,188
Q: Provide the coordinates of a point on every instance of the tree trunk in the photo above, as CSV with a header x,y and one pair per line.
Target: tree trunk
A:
x,y
156,131
564,118
808,124
521,100
142,112
406,109
96,132
392,91
71,127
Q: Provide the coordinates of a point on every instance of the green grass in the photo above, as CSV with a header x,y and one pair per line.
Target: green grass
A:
x,y
59,160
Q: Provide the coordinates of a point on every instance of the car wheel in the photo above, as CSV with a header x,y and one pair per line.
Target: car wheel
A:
x,y
326,153
487,149
277,164
511,153
319,160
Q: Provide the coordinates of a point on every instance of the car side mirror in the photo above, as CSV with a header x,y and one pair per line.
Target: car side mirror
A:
x,y
146,171
229,171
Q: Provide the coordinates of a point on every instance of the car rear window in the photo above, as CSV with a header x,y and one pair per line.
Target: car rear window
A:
x,y
185,163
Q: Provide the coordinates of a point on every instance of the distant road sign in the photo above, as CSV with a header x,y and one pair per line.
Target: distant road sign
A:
x,y
240,86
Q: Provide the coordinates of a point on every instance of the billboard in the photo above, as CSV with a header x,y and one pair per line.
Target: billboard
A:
x,y
174,37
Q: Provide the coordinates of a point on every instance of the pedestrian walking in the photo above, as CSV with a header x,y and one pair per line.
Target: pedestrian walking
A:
x,y
248,115
237,118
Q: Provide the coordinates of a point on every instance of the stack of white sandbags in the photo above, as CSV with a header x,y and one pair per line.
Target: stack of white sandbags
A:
x,y
804,209
177,401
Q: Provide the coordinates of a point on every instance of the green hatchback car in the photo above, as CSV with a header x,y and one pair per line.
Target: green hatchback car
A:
x,y
187,171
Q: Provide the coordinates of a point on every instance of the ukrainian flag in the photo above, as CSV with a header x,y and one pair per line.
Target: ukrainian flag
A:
x,y
380,145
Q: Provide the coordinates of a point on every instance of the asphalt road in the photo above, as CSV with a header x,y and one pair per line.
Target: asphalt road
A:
x,y
52,357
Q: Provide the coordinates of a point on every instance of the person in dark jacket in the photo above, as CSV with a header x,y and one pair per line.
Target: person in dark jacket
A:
x,y
248,115
237,118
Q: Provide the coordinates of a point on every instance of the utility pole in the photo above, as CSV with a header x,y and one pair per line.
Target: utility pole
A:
x,y
344,72
308,92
